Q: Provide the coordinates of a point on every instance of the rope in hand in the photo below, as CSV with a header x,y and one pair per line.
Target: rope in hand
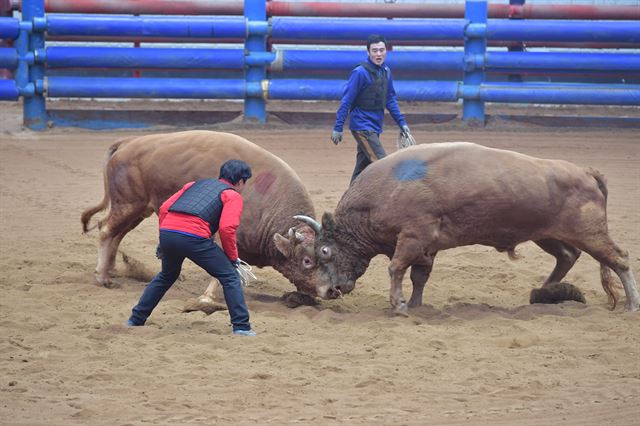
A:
x,y
244,270
405,139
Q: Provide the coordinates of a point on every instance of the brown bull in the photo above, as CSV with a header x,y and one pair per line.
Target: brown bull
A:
x,y
428,198
142,172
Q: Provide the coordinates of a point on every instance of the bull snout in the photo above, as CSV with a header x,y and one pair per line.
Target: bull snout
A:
x,y
336,291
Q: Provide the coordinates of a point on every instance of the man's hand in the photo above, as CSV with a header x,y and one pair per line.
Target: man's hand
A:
x,y
404,138
336,137
237,262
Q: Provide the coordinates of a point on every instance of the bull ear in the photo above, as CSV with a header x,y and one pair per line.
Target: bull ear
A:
x,y
282,244
328,222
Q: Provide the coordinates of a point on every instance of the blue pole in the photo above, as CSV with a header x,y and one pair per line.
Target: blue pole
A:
x,y
314,89
474,46
424,62
8,57
8,90
34,110
151,26
116,87
255,12
9,28
153,58
359,29
574,94
567,31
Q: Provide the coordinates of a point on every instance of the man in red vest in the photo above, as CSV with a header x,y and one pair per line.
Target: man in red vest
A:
x,y
188,221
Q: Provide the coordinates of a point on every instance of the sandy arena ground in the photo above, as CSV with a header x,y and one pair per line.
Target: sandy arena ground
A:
x,y
477,353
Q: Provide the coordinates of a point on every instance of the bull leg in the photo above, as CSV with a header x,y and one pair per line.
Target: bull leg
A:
x,y
419,276
115,227
630,289
600,246
565,254
207,296
403,257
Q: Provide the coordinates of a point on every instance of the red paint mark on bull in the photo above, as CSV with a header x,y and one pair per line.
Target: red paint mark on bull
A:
x,y
263,182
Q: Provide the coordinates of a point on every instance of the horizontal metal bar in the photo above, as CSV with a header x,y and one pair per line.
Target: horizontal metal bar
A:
x,y
151,58
441,10
359,29
343,9
417,61
182,88
8,90
561,94
9,28
149,7
310,89
122,26
8,57
433,29
567,31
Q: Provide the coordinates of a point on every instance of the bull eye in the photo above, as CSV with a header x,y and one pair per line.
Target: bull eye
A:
x,y
307,263
325,252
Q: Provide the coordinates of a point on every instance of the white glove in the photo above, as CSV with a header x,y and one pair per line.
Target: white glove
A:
x,y
336,137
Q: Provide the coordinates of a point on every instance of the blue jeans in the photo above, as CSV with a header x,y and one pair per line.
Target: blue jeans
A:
x,y
204,253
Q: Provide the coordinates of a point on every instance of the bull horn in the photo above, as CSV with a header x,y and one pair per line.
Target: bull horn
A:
x,y
309,221
291,233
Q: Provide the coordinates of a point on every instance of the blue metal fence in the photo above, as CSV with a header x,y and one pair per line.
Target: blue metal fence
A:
x,y
33,61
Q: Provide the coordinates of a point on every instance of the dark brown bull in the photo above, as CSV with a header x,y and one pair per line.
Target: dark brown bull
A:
x,y
142,172
428,198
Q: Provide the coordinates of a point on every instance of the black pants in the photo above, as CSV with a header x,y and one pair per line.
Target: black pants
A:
x,y
369,150
207,255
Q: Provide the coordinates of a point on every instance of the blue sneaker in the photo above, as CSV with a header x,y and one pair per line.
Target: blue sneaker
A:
x,y
244,332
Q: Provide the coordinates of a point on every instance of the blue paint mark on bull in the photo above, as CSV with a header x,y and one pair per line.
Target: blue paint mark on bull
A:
x,y
410,170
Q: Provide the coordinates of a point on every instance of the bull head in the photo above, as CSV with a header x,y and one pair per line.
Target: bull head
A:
x,y
298,249
326,274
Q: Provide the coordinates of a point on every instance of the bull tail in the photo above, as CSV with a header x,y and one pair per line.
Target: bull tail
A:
x,y
88,213
600,179
608,284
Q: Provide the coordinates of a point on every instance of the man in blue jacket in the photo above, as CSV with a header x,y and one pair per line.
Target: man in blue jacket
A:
x,y
368,92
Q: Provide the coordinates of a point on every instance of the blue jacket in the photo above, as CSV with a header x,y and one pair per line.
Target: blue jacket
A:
x,y
363,119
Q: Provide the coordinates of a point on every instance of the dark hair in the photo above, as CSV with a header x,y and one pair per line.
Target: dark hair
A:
x,y
235,171
375,38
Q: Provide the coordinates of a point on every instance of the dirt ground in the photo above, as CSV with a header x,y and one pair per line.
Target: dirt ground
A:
x,y
477,353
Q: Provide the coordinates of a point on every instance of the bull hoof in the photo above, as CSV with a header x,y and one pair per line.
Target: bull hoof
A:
x,y
103,281
415,303
402,310
111,285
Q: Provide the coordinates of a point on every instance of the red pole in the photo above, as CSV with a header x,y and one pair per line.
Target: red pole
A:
x,y
146,7
365,10
395,10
